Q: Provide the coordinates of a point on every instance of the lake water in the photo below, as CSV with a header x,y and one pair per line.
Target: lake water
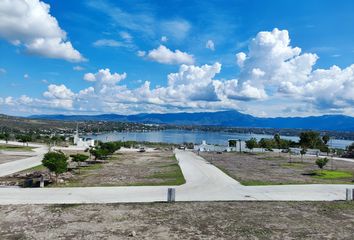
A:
x,y
181,136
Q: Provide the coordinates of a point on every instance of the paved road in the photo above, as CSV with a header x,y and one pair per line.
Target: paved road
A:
x,y
19,165
204,182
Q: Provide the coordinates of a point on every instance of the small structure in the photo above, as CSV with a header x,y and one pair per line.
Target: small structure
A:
x,y
82,142
204,147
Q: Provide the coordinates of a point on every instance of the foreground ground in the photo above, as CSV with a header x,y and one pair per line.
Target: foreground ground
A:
x,y
274,168
207,220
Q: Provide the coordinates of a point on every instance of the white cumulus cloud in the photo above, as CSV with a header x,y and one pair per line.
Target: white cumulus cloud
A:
x,y
59,96
164,55
29,23
275,79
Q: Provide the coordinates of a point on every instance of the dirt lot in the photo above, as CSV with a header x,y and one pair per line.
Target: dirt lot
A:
x,y
201,220
121,169
272,168
9,158
131,168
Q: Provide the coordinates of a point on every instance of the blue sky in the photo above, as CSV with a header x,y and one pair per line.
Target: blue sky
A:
x,y
148,56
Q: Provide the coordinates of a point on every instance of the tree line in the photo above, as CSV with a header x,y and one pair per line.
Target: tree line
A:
x,y
307,140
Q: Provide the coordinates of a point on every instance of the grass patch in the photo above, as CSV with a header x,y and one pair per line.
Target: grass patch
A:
x,y
35,168
331,174
91,167
275,158
263,183
295,165
7,147
173,176
174,165
340,205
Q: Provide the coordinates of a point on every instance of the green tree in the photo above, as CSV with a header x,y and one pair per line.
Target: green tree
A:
x,y
24,139
79,158
232,143
325,139
310,139
110,147
349,151
56,162
303,152
251,143
266,144
7,137
99,153
321,162
277,139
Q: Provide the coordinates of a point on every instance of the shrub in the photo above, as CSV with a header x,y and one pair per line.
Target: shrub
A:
x,y
321,162
78,158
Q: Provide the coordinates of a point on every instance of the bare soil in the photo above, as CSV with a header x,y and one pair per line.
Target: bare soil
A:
x,y
275,168
129,168
200,220
121,169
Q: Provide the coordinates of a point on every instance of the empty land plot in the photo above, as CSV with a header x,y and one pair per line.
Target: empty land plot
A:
x,y
273,168
131,169
200,220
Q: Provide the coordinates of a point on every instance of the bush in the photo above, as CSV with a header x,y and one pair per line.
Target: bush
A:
x,y
99,153
321,162
79,157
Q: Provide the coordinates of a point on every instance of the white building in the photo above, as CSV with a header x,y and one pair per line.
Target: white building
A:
x,y
83,142
204,147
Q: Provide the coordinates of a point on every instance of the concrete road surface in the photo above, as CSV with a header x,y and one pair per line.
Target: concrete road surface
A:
x,y
19,165
204,182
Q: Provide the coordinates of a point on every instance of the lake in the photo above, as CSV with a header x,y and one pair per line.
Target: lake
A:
x,y
181,136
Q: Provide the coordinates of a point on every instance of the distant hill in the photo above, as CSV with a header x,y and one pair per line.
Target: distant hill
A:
x,y
222,118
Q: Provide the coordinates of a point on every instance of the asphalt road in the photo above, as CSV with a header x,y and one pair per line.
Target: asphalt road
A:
x,y
204,182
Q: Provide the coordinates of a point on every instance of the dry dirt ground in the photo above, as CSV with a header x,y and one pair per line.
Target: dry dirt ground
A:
x,y
122,169
200,220
272,168
131,168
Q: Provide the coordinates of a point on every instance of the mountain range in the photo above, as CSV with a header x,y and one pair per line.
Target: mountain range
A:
x,y
222,118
